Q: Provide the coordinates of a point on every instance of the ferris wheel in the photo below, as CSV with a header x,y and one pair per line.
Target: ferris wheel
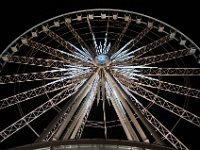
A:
x,y
99,73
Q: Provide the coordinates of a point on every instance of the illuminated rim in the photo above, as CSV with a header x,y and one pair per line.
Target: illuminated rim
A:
x,y
94,143
119,58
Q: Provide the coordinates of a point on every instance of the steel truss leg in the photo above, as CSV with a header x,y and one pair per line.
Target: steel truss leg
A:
x,y
139,114
68,109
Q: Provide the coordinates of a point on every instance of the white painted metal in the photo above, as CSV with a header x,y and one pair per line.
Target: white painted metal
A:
x,y
100,55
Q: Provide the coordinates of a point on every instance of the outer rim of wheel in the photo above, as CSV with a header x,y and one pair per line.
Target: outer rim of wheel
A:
x,y
95,143
98,9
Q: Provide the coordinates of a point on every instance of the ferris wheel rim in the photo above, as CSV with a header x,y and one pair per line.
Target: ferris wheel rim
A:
x,y
103,61
99,9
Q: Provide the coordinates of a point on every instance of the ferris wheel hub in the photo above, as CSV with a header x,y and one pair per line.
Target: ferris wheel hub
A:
x,y
102,60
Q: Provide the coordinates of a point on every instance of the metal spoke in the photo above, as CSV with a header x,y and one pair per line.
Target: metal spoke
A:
x,y
52,51
169,71
45,75
105,46
92,33
46,49
150,96
163,57
178,89
153,45
33,76
134,41
159,126
47,88
158,58
155,83
118,41
78,38
49,63
155,122
10,130
169,136
69,46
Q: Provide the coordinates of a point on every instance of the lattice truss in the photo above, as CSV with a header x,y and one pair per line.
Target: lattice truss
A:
x,y
100,59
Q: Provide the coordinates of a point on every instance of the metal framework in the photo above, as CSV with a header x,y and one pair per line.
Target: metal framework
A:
x,y
100,70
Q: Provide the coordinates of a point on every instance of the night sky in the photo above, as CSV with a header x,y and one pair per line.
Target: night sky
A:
x,y
16,18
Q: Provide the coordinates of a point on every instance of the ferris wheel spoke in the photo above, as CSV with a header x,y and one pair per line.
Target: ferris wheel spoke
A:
x,y
134,41
106,48
75,72
16,126
82,43
158,58
118,41
161,85
166,86
169,71
91,31
143,33
153,45
33,76
150,96
52,51
163,57
69,46
47,63
46,49
124,56
47,88
169,136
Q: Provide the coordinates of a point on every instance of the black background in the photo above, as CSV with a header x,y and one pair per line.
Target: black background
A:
x,y
17,17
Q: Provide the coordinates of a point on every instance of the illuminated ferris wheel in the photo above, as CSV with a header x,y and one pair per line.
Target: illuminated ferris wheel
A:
x,y
99,73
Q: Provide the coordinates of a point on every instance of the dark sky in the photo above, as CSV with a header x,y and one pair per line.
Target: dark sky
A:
x,y
18,17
